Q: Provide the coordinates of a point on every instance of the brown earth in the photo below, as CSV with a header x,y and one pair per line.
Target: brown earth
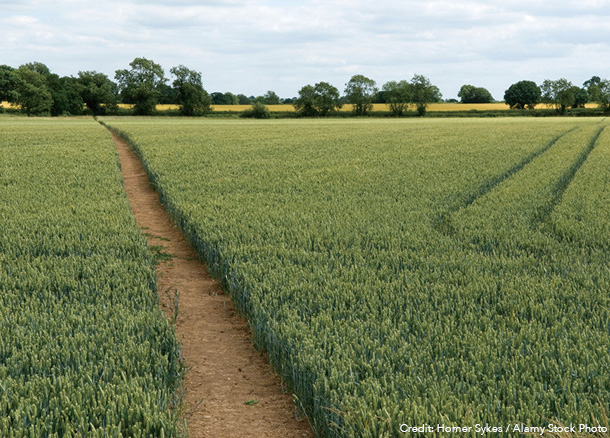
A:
x,y
231,390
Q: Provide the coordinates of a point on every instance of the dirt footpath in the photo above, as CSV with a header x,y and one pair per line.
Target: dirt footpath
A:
x,y
231,390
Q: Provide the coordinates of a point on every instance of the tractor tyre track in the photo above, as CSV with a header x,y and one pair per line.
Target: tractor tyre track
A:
x,y
230,389
567,178
443,222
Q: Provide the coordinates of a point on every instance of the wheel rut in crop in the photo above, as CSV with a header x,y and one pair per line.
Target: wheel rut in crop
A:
x,y
230,389
443,223
567,178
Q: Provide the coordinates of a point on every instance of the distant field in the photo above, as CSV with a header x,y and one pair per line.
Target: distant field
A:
x,y
414,271
376,107
381,107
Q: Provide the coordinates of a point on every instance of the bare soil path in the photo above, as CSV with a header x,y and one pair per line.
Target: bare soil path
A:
x,y
231,390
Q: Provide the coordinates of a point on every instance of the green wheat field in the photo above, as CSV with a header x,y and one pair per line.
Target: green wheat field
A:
x,y
411,271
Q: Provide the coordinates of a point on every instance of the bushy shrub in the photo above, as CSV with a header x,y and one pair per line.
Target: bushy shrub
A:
x,y
258,111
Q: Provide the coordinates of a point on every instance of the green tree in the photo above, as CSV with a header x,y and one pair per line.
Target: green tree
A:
x,y
558,93
305,104
327,98
227,98
231,98
589,84
581,97
595,80
218,98
472,94
141,85
360,91
242,99
270,98
65,94
38,67
523,94
63,91
33,95
424,93
190,94
318,100
600,93
398,95
9,84
98,92
168,95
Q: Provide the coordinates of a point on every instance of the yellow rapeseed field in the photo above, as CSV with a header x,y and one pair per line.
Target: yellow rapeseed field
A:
x,y
376,107
384,107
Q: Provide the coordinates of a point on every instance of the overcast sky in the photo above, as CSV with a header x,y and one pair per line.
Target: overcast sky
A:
x,y
253,46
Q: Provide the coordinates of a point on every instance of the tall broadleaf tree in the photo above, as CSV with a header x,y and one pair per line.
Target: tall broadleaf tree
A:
x,y
305,104
66,97
190,94
98,92
327,98
398,95
523,94
271,98
9,83
360,92
141,85
32,92
471,94
318,100
581,96
424,93
600,93
558,93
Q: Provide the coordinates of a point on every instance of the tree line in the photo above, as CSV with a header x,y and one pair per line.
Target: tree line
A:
x,y
361,92
36,90
560,93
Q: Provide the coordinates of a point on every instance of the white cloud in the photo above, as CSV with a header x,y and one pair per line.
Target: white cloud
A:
x,y
252,46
